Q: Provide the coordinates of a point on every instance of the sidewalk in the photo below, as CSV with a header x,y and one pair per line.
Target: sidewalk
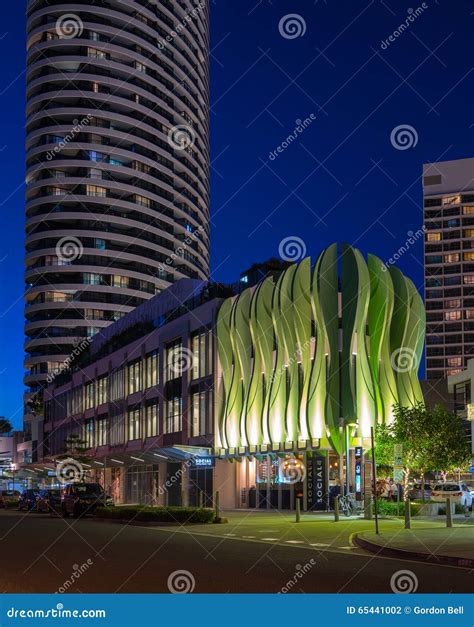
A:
x,y
439,545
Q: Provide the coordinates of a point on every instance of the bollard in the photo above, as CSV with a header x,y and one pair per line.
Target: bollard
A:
x,y
407,514
298,509
216,507
449,513
336,509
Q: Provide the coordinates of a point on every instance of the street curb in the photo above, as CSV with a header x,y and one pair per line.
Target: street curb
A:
x,y
417,556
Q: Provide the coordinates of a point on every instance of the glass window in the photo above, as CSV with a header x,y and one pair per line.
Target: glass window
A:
x,y
470,314
198,414
451,258
135,377
468,279
433,237
95,53
99,243
102,433
116,385
176,361
151,420
468,256
134,424
95,190
468,210
142,200
92,279
173,418
117,429
120,281
452,315
101,390
469,233
151,368
89,395
200,355
451,200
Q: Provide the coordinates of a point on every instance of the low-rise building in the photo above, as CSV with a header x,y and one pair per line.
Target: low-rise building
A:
x,y
263,393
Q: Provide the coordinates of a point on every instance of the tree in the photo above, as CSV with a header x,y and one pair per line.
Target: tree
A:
x,y
5,426
431,440
449,448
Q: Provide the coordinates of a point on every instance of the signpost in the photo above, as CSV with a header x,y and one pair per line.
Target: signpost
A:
x,y
358,472
316,482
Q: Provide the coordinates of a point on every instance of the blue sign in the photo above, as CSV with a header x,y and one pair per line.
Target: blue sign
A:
x,y
203,462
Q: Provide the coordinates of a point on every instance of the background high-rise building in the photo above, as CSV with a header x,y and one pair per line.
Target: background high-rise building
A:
x,y
117,200
448,190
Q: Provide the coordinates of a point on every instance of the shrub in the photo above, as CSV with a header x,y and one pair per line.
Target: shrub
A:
x,y
11,504
389,508
143,513
458,509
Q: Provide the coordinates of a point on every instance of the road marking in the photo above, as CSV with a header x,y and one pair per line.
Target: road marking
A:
x,y
271,539
306,547
249,537
294,541
319,544
346,547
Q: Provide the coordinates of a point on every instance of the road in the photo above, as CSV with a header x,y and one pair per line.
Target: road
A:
x,y
253,553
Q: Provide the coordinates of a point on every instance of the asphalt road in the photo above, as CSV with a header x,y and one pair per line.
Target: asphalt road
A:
x,y
39,553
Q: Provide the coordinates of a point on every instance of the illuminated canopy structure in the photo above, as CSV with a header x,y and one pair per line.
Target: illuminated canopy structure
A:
x,y
334,345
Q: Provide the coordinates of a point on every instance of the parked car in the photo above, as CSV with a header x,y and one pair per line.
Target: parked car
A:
x,y
416,492
8,495
27,500
80,499
459,493
49,500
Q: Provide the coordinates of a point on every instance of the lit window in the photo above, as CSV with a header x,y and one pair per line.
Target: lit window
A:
x,y
199,356
452,258
142,200
470,314
431,237
99,243
173,418
119,281
141,67
454,361
94,190
151,369
468,210
452,315
95,53
469,279
135,377
101,390
151,421
469,233
468,256
451,200
134,424
198,414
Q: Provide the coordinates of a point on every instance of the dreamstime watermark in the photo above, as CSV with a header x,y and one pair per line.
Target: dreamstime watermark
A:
x,y
301,571
292,248
69,470
180,360
292,26
178,253
66,365
181,26
404,359
69,26
404,582
301,126
404,137
181,582
79,125
181,137
412,238
77,572
294,359
413,14
55,612
69,248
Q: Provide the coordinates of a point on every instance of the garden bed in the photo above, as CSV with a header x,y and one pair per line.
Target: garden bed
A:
x,y
146,514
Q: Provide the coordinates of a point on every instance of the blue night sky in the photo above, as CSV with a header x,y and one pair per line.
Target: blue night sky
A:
x,y
340,180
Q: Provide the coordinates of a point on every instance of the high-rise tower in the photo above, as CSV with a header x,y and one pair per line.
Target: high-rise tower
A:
x,y
117,200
